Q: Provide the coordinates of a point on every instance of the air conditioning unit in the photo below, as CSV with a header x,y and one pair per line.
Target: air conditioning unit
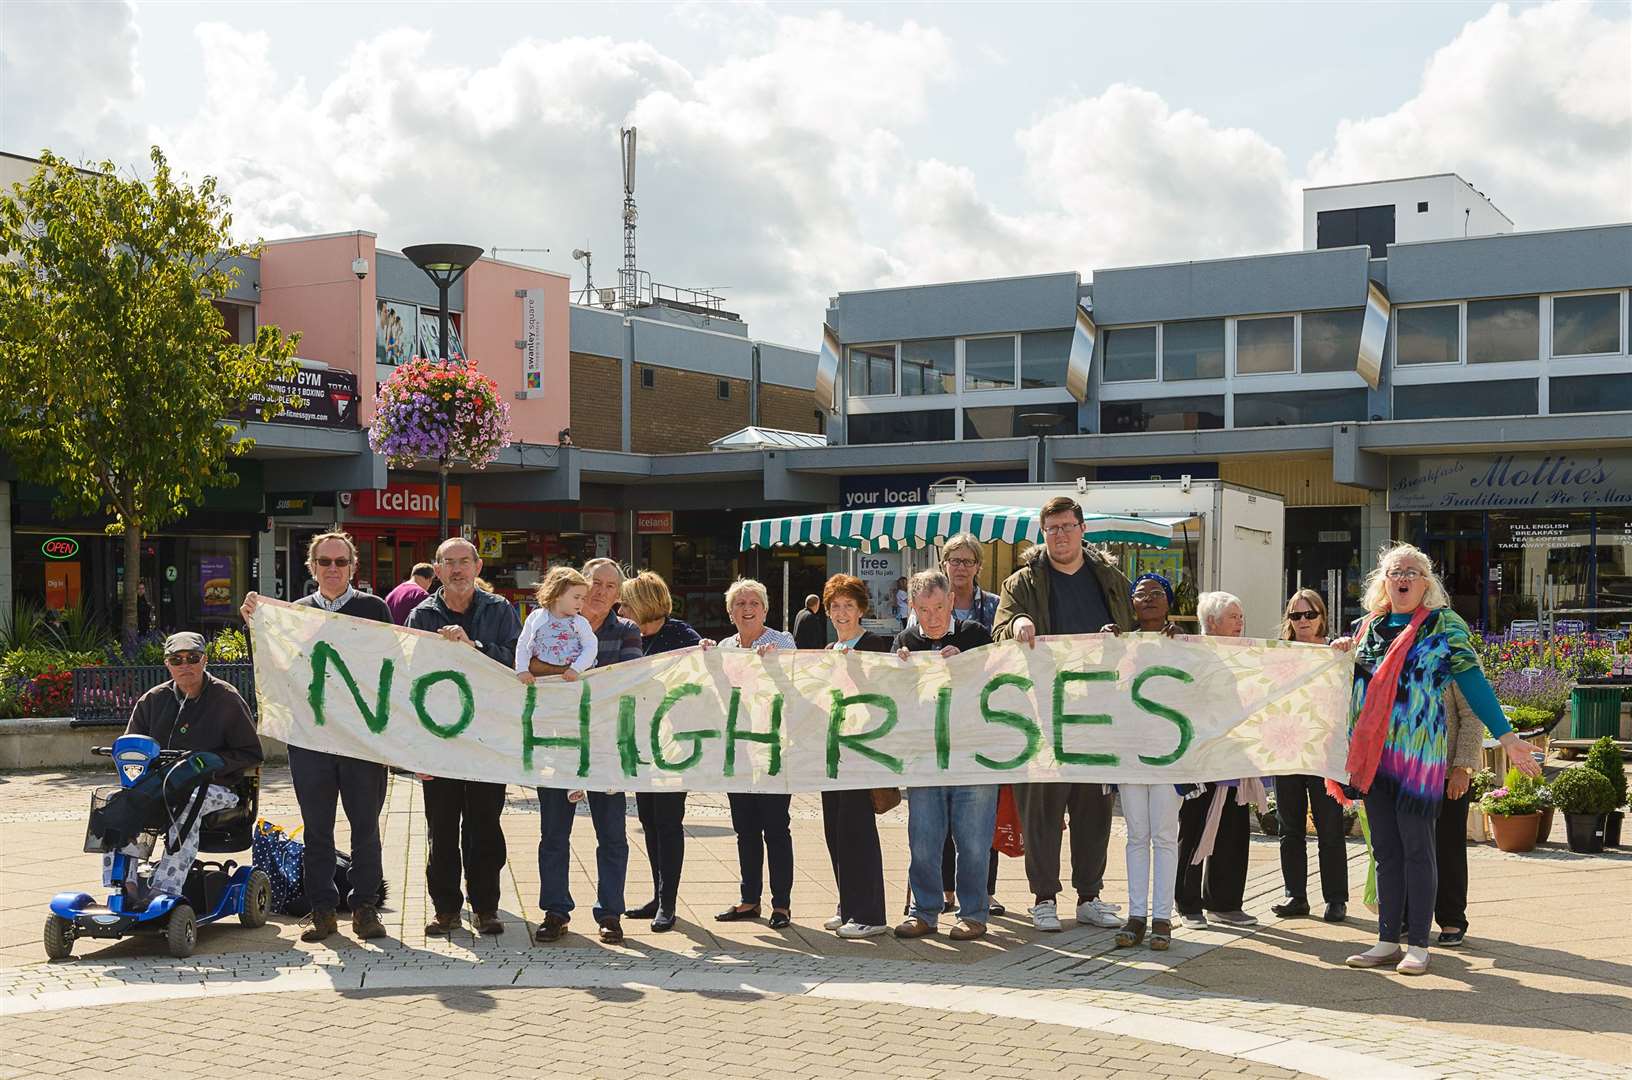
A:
x,y
609,297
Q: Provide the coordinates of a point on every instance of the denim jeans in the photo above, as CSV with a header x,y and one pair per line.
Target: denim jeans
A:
x,y
554,851
969,813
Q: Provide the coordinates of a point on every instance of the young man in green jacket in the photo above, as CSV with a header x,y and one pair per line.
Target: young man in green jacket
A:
x,y
1064,587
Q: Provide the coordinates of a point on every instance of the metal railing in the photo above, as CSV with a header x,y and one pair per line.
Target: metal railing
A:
x,y
104,696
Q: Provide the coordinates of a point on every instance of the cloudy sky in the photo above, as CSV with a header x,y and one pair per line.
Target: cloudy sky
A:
x,y
792,151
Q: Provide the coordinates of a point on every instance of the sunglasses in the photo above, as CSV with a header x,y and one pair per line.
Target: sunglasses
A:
x,y
1302,616
184,659
339,560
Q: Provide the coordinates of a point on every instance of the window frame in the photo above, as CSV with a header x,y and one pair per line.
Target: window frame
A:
x,y
1549,325
1224,343
1233,346
1461,309
1104,356
1014,370
1466,351
895,367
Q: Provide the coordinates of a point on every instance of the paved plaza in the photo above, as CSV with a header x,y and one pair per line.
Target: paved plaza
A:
x,y
1543,988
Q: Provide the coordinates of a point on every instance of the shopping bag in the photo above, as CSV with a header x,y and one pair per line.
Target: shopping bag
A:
x,y
1006,836
282,858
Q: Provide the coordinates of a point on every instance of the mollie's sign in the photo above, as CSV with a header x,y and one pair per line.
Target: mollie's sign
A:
x,y
60,547
1560,479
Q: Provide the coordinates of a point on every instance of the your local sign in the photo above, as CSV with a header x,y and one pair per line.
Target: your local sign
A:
x,y
910,489
1559,479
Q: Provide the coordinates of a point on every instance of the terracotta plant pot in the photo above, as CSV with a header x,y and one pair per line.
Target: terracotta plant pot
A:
x,y
1545,829
1515,832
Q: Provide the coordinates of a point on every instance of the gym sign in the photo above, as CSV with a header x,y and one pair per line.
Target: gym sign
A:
x,y
60,547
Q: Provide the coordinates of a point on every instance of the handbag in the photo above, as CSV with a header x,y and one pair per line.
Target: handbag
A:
x,y
1006,836
282,858
885,799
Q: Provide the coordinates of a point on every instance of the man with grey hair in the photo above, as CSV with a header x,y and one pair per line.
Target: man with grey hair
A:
x,y
462,816
967,811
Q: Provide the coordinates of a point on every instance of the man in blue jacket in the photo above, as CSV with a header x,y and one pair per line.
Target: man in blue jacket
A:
x,y
462,816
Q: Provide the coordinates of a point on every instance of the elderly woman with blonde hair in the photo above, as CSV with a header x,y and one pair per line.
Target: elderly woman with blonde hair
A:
x,y
1409,648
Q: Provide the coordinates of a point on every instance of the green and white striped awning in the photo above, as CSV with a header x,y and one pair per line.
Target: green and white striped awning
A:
x,y
921,526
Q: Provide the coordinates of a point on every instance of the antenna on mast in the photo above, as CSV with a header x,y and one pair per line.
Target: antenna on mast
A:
x,y
588,294
629,276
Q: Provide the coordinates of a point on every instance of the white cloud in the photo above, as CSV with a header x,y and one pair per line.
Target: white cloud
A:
x,y
68,99
1534,108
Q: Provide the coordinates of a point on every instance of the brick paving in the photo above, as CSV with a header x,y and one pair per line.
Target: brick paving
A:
x,y
1540,993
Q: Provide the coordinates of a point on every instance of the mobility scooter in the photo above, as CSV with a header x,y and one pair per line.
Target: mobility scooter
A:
x,y
213,890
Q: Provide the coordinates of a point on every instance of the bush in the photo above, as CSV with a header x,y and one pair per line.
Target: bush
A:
x,y
48,694
228,647
1482,784
1529,718
1547,690
1580,790
21,666
1605,759
1534,788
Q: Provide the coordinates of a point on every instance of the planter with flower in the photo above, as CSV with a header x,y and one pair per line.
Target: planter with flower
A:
x,y
1605,758
439,411
1586,797
1514,816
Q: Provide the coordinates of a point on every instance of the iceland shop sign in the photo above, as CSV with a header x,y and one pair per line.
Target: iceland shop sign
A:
x,y
1567,479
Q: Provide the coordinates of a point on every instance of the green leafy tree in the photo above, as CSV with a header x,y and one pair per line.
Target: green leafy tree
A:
x,y
117,375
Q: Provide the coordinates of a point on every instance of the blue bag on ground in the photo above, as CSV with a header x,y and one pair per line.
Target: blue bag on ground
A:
x,y
282,858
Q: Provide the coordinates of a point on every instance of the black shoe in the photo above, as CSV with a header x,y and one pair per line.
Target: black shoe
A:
x,y
1452,937
662,922
647,910
780,920
737,914
997,909
551,928
1336,912
1291,907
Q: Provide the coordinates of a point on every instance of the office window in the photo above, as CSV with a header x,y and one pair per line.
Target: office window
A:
x,y
1301,407
1263,345
1587,325
928,425
1003,421
1501,331
1130,355
1162,414
1427,335
648,378
1193,350
1331,339
988,363
725,390
1502,397
1369,225
928,367
1590,393
1044,358
872,370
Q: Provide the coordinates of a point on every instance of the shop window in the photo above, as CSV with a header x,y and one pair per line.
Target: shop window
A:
x,y
1193,350
1331,340
929,425
929,367
1044,358
1162,414
1130,354
988,363
1263,346
1003,421
648,378
1504,331
872,370
1590,393
1536,556
1302,407
1587,325
238,320
1502,397
1614,553
1428,335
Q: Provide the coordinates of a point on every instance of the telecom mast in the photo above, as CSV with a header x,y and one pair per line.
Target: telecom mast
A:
x,y
629,276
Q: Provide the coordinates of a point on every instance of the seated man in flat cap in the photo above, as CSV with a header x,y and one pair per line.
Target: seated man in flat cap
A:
x,y
195,711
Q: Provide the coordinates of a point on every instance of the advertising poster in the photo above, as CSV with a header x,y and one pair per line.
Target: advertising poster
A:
x,y
215,584
396,330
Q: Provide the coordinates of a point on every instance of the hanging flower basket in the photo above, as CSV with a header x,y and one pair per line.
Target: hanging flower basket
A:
x,y
439,411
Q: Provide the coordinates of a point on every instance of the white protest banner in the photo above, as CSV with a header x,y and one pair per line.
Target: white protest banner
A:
x,y
1138,708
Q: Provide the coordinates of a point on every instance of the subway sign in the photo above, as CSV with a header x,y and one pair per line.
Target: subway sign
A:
x,y
60,547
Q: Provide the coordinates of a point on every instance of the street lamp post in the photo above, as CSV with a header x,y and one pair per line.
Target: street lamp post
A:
x,y
444,264
1040,423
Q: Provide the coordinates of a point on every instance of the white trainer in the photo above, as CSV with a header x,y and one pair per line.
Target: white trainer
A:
x,y
834,923
1097,912
1045,916
853,930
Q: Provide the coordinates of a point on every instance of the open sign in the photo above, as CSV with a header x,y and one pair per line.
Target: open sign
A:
x,y
60,547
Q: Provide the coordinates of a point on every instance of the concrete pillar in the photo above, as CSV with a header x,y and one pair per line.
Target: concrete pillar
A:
x,y
266,546
1376,529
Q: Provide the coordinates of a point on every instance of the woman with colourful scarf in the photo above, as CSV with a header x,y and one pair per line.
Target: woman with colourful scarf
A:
x,y
1408,647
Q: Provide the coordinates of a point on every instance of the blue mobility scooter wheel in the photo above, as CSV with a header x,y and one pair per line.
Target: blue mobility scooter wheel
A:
x,y
59,937
257,900
181,931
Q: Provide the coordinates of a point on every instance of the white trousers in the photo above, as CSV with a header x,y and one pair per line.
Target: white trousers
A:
x,y
1151,812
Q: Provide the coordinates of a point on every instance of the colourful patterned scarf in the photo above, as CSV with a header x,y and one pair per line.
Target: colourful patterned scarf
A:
x,y
1371,729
